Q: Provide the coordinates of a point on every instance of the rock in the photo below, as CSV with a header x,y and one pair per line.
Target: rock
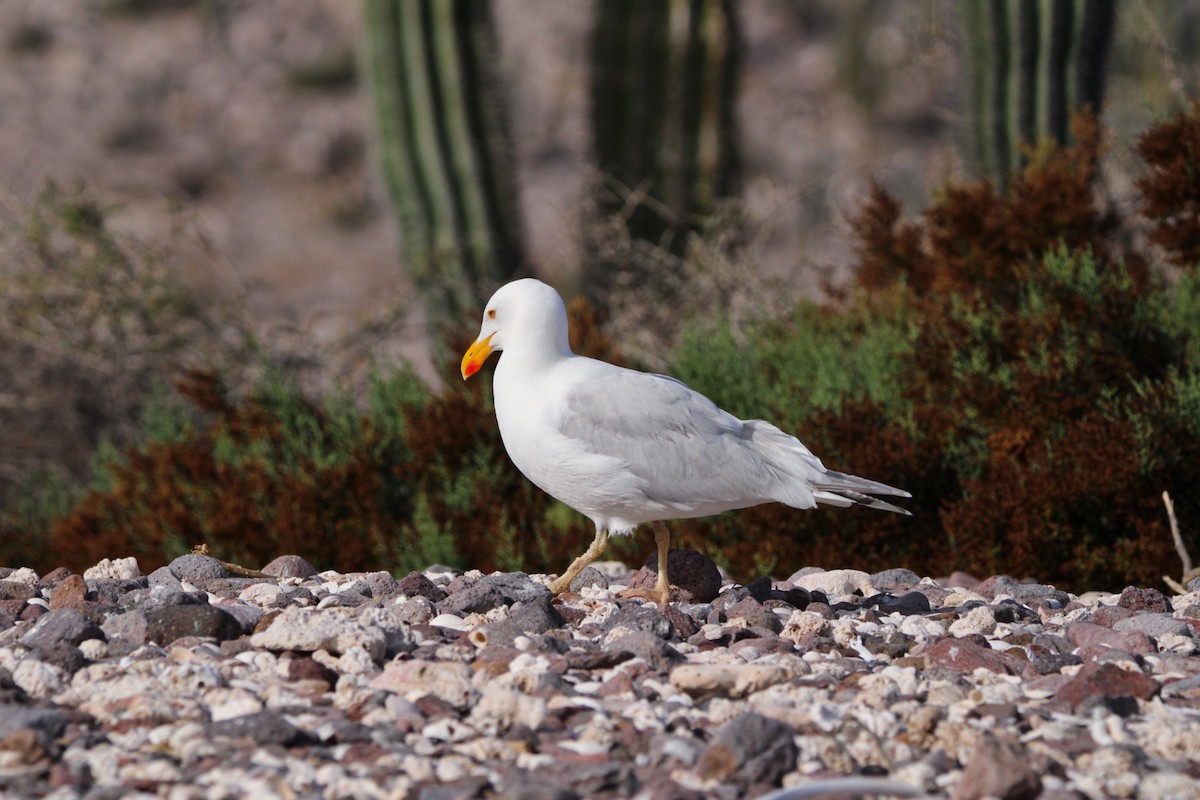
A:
x,y
165,625
998,767
804,624
636,617
754,615
448,681
646,646
397,632
381,586
119,569
126,631
68,626
726,680
197,570
1153,625
908,603
70,592
493,591
16,590
47,725
890,578
1139,600
749,749
163,577
308,630
836,582
966,656
1086,634
261,728
1108,616
693,574
535,616
1108,680
589,577
979,620
415,584
500,707
289,567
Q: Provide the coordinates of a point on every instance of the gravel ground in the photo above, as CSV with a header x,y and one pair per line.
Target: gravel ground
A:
x,y
194,683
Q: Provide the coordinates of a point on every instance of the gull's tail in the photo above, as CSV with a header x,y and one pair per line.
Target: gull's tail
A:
x,y
839,489
804,479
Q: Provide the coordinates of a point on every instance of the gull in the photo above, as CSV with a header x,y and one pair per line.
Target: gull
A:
x,y
626,448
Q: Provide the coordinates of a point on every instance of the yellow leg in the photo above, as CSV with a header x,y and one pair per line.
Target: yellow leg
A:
x,y
661,593
662,538
563,583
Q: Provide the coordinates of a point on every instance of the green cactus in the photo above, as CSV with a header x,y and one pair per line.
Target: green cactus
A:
x,y
1032,64
662,112
444,147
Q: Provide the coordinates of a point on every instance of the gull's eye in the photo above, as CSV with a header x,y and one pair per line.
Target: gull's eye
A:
x,y
491,313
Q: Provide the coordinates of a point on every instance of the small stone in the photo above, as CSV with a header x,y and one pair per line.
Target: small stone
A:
x,y
415,584
119,569
890,578
755,615
981,620
163,577
726,680
908,603
15,590
589,577
47,725
637,617
1138,600
1108,680
966,656
693,575
493,591
749,749
197,570
165,625
70,592
1086,634
289,567
500,707
449,681
261,727
648,647
836,582
760,588
998,767
306,668
1154,625
804,624
67,625
1108,616
309,630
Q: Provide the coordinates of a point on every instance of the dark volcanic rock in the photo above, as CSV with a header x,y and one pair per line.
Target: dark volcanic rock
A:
x,y
289,567
1139,600
197,570
415,584
67,625
165,625
492,591
694,574
1108,680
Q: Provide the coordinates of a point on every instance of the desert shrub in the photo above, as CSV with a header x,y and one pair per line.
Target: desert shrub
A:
x,y
405,478
91,325
1039,397
1171,188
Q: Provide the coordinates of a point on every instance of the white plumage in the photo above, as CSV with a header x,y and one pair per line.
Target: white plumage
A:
x,y
625,447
